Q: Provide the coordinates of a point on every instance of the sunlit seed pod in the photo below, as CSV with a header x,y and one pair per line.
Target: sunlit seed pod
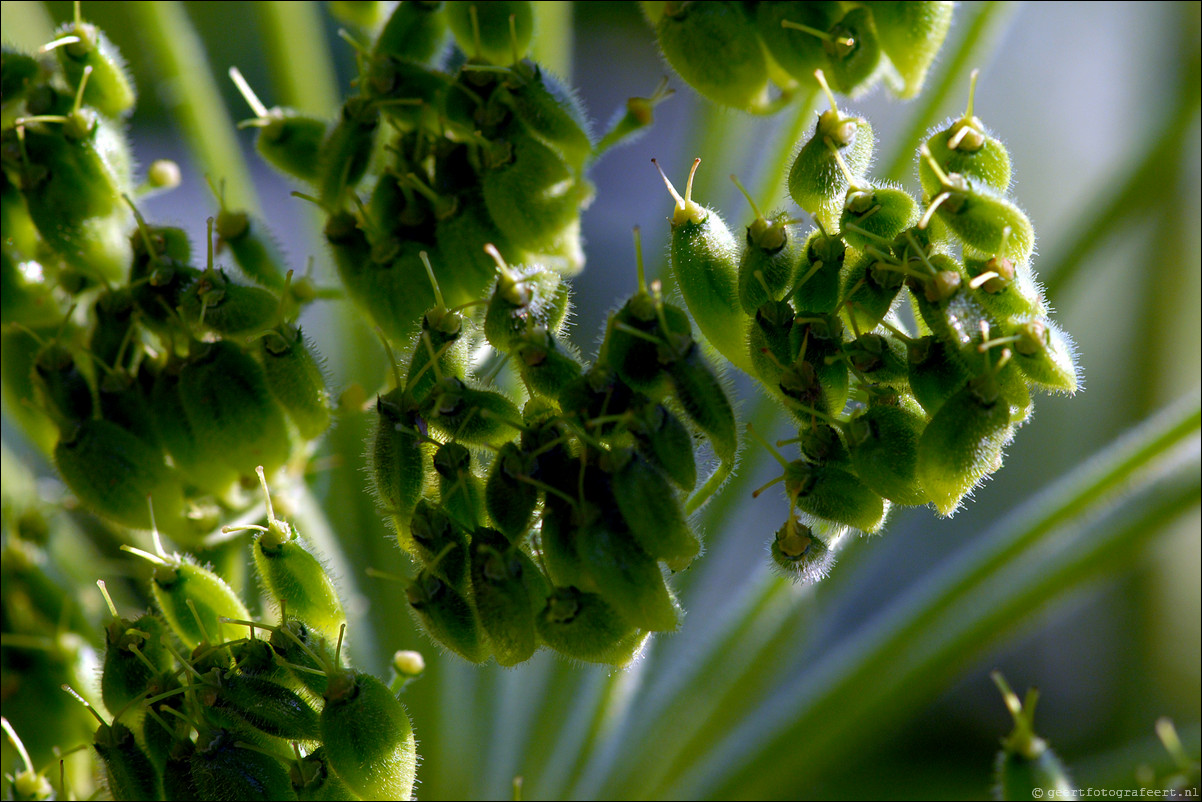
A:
x,y
252,246
112,472
715,48
1045,354
414,31
464,269
704,400
447,616
818,273
794,50
498,32
291,142
296,643
910,34
523,299
215,303
955,317
705,259
441,349
967,148
853,52
231,410
546,364
584,627
163,732
397,465
509,495
962,444
367,737
134,659
665,442
440,543
883,442
934,375
871,288
294,374
652,511
347,150
191,455
223,769
110,89
816,182
833,493
1004,289
504,604
194,600
800,554
880,358
535,196
873,217
470,415
313,778
767,263
127,770
548,110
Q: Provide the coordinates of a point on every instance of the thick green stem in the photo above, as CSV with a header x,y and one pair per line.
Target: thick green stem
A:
x,y
295,43
554,44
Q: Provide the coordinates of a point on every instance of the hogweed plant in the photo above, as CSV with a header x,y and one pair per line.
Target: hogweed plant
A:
x,y
523,492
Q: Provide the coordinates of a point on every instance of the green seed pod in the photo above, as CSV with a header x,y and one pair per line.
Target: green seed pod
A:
x,y
833,493
62,389
262,705
558,537
231,411
800,554
216,304
409,95
816,181
546,365
193,601
295,577
496,31
644,336
627,577
221,769
1046,355
584,627
534,197
767,264
981,219
523,299
460,491
397,464
797,51
703,398
910,34
292,641
288,140
665,442
1026,767
653,513
441,342
716,50
368,738
294,374
253,247
164,732
509,495
177,773
822,443
818,273
816,377
313,778
966,147
191,455
1003,289
134,659
934,375
347,150
114,316
477,417
874,216
871,288
951,311
465,269
113,472
128,771
415,31
884,450
853,52
110,89
548,110
447,617
963,444
500,583
440,543
704,257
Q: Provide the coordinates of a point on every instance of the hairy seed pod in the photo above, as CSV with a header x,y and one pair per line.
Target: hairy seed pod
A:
x,y
934,375
346,151
397,464
524,299
62,388
548,110
264,706
853,52
1004,289
253,247
951,311
292,641
314,779
665,442
873,217
627,577
441,350
501,579
127,769
705,402
967,148
110,89
816,181
297,579
884,450
963,443
447,616
800,554
1026,767
767,264
833,493
871,287
464,270
126,676
20,71
216,304
639,342
1046,355
910,34
193,600
652,511
460,491
294,375
818,273
977,215
880,358
231,411
546,364
223,770
795,51
509,495
497,32
413,32
822,443
368,738
478,417
716,50
584,627
291,141
440,543
191,455
114,316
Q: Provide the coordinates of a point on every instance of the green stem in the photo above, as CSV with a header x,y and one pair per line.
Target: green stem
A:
x,y
983,32
305,83
554,44
905,656
191,95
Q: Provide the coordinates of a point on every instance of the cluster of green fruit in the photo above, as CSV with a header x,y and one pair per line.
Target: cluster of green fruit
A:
x,y
734,52
890,412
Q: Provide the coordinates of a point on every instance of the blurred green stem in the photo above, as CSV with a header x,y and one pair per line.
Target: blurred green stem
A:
x,y
306,83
